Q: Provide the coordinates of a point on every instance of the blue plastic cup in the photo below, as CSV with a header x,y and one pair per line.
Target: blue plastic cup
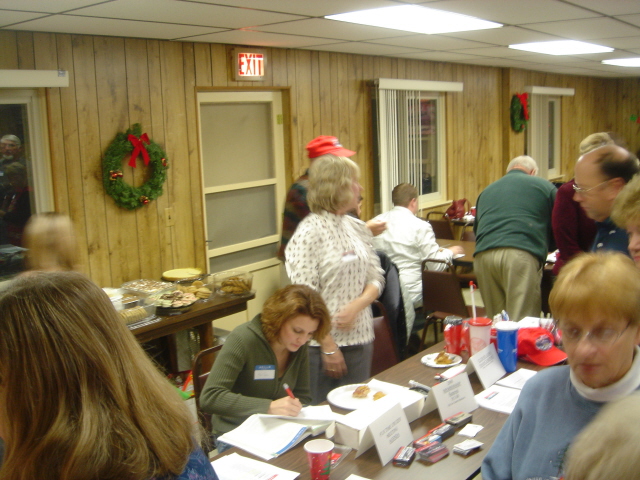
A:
x,y
507,339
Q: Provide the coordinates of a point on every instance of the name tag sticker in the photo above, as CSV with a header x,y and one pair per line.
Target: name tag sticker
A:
x,y
264,372
349,256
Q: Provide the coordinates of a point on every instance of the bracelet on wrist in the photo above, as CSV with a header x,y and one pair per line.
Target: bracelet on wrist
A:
x,y
329,353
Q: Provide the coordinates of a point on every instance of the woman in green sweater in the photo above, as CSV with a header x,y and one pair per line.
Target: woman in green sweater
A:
x,y
260,356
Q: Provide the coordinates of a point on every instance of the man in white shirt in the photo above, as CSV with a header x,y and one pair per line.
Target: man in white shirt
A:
x,y
408,240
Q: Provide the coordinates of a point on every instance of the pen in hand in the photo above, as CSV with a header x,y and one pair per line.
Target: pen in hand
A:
x,y
288,390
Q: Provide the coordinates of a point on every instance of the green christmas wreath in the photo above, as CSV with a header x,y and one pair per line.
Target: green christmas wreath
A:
x,y
133,143
519,112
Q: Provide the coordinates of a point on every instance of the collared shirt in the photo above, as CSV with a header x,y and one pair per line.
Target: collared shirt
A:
x,y
408,240
610,237
333,255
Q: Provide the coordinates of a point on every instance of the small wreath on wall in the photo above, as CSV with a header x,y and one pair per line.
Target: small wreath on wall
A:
x,y
133,143
519,112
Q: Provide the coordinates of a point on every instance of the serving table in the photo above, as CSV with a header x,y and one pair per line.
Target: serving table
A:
x,y
453,467
199,317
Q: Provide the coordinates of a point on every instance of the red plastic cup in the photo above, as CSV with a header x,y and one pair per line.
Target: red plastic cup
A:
x,y
319,457
479,334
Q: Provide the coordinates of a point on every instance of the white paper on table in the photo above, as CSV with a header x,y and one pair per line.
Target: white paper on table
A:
x,y
266,436
237,467
487,365
529,322
517,379
499,399
319,412
470,430
455,370
353,476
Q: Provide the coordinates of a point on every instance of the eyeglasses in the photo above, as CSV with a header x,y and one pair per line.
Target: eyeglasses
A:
x,y
582,191
598,336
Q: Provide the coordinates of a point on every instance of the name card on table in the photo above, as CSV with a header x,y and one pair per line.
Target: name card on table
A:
x,y
390,432
355,429
454,396
487,365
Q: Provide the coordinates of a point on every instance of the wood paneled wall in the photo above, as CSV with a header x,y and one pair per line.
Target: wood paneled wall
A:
x,y
115,82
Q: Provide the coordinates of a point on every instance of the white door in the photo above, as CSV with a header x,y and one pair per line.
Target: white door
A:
x,y
242,154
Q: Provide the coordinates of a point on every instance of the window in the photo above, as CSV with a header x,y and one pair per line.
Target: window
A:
x,y
544,131
24,159
410,139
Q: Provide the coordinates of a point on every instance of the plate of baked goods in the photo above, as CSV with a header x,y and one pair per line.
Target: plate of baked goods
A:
x,y
174,303
441,359
352,397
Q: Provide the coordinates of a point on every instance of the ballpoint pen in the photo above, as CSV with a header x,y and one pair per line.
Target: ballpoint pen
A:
x,y
288,390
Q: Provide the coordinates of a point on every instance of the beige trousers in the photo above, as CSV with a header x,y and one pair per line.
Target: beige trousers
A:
x,y
509,279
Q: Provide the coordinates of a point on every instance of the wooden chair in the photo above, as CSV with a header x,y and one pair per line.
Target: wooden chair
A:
x,y
441,225
467,234
199,379
385,353
441,297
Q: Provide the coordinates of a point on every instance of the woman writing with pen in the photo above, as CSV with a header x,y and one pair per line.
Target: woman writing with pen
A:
x,y
261,358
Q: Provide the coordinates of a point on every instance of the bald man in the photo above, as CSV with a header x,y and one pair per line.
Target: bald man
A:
x,y
599,177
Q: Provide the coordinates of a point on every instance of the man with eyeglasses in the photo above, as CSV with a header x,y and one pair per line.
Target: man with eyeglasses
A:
x,y
600,175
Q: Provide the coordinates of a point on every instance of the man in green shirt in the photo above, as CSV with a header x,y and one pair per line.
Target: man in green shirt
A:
x,y
513,237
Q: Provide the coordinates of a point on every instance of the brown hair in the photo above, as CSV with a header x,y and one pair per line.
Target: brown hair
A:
x,y
292,301
51,242
606,284
80,398
403,193
330,180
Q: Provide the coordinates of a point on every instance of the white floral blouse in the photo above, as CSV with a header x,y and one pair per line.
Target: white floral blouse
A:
x,y
333,255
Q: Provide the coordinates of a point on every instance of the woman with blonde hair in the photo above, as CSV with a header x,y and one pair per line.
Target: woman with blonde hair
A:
x,y
626,214
79,398
332,253
596,304
51,242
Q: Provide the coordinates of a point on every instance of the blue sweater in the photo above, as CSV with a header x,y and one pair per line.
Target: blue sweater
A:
x,y
533,442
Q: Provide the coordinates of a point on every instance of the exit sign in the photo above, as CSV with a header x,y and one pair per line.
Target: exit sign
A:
x,y
249,64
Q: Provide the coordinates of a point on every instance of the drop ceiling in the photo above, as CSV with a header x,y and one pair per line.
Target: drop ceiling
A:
x,y
300,24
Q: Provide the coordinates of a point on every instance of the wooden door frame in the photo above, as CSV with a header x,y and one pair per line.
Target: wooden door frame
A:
x,y
286,131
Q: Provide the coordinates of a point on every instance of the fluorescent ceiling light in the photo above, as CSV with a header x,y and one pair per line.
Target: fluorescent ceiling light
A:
x,y
624,62
414,18
561,47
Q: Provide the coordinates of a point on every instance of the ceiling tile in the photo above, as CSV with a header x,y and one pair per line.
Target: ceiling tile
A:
x,y
438,56
310,8
320,27
620,42
504,36
8,17
188,13
261,39
514,12
547,59
610,7
362,48
431,42
632,19
590,29
491,52
56,6
113,28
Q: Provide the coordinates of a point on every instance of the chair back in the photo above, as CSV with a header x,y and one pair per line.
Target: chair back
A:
x,y
385,354
200,378
441,291
441,225
467,234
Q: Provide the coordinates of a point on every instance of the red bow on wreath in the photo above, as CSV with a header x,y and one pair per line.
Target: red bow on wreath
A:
x,y
523,100
139,148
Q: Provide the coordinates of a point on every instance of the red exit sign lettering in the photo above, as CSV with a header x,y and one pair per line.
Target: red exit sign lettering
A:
x,y
250,64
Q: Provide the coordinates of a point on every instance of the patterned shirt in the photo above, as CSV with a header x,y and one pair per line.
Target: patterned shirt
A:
x,y
333,255
198,468
295,209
